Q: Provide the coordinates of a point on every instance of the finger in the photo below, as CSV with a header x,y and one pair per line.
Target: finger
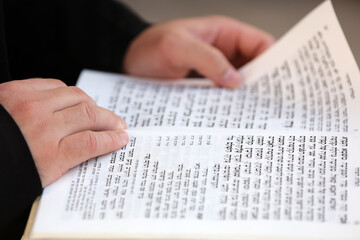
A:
x,y
238,41
43,84
253,41
82,146
64,97
208,61
85,116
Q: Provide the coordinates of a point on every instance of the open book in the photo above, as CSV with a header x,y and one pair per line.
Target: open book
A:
x,y
278,158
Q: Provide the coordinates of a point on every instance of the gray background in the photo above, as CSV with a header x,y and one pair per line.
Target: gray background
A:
x,y
274,16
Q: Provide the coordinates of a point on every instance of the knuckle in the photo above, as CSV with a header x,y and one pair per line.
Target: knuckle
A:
x,y
114,139
168,41
57,82
89,112
92,143
81,94
77,91
169,46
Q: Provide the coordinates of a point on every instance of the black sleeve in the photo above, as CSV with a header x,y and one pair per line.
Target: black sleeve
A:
x,y
101,35
58,38
19,182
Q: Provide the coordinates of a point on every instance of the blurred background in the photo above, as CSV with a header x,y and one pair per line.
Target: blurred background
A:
x,y
274,16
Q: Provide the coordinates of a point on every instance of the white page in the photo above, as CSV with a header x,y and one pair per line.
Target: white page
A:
x,y
317,198
157,184
307,81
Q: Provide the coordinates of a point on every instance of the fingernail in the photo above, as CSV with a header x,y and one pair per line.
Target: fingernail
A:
x,y
122,124
231,79
124,136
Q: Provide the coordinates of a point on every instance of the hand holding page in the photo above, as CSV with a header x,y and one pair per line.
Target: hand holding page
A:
x,y
275,159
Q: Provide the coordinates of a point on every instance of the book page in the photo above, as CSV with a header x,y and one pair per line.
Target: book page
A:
x,y
307,81
274,159
159,183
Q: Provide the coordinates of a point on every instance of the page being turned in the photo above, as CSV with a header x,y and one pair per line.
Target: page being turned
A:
x,y
307,81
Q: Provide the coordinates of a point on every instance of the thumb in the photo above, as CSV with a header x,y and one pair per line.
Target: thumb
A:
x,y
208,61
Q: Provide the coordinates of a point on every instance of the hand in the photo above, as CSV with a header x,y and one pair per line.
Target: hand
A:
x,y
213,46
62,125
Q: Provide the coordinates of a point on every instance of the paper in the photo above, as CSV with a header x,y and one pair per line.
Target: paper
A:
x,y
276,158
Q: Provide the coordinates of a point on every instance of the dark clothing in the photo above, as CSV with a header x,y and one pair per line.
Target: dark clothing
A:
x,y
55,39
